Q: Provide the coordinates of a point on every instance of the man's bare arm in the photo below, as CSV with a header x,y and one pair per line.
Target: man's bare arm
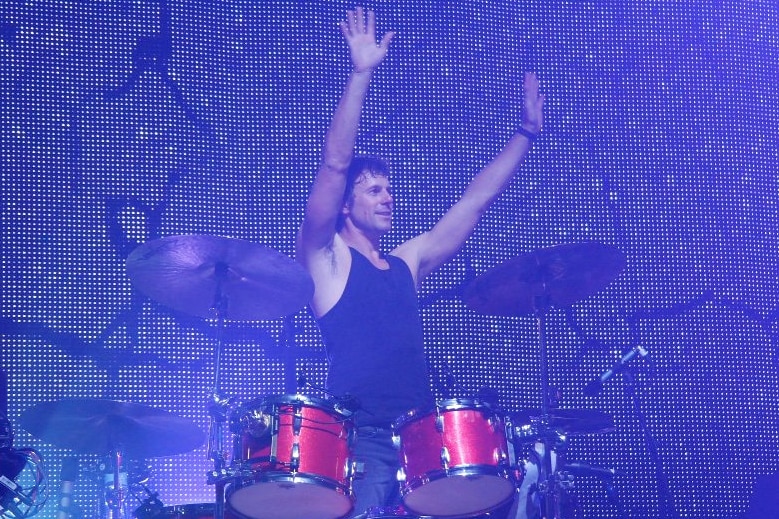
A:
x,y
326,197
430,250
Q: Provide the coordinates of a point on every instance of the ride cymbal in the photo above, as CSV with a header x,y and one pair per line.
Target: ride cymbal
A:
x,y
200,275
555,276
96,426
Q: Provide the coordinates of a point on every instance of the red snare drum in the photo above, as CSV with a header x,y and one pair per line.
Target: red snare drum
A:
x,y
295,460
454,460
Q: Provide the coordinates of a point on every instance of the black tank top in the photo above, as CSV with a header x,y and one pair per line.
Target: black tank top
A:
x,y
374,342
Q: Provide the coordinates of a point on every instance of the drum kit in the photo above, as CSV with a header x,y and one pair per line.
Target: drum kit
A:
x,y
290,456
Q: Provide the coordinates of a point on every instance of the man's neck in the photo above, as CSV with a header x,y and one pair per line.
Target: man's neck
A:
x,y
366,246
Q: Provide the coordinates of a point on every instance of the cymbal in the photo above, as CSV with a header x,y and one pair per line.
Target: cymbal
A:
x,y
195,274
554,276
570,422
96,426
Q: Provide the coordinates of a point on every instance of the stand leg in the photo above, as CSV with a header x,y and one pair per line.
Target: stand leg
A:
x,y
115,488
219,506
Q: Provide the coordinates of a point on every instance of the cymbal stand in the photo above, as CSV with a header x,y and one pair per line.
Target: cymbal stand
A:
x,y
548,483
666,503
115,489
218,404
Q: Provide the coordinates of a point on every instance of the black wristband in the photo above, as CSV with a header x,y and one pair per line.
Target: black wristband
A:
x,y
527,133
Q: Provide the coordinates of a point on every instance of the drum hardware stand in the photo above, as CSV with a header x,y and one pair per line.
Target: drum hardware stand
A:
x,y
251,281
533,283
151,507
218,406
666,505
551,485
114,491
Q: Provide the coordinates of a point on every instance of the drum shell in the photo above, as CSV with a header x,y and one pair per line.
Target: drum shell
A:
x,y
295,459
323,436
471,434
454,459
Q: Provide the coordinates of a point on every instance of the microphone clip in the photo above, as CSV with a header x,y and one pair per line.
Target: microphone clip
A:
x,y
595,386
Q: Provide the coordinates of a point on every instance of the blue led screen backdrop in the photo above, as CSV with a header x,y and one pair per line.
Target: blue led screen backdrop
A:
x,y
123,122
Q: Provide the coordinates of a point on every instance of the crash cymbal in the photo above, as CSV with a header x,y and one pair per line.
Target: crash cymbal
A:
x,y
555,276
194,273
570,422
96,426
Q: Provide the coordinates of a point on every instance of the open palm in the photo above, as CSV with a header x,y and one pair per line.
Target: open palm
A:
x,y
359,30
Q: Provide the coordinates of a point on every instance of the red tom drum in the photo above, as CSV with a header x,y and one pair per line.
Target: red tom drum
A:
x,y
454,460
295,455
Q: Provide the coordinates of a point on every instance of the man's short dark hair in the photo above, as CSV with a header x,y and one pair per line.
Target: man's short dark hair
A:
x,y
364,164
361,166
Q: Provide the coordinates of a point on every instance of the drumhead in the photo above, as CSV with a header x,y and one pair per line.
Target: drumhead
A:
x,y
288,496
451,404
460,493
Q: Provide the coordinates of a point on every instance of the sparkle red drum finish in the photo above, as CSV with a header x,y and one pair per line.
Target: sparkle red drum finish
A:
x,y
454,460
296,463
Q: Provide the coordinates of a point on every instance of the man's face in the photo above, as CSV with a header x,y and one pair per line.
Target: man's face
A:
x,y
370,207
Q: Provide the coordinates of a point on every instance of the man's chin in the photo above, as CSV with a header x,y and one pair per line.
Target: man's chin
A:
x,y
385,224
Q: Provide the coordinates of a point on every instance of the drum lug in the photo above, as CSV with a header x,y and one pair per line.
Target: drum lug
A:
x,y
275,428
401,476
294,462
396,441
439,423
356,471
445,458
503,456
509,431
297,420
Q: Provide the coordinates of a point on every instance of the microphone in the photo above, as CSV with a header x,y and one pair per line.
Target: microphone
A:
x,y
594,387
67,479
582,469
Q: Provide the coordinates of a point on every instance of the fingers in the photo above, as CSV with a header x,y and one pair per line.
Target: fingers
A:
x,y
530,87
371,29
530,84
386,39
344,26
363,22
355,22
533,101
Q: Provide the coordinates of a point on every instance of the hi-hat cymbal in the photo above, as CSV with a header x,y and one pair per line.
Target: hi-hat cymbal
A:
x,y
555,276
96,426
197,274
570,422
